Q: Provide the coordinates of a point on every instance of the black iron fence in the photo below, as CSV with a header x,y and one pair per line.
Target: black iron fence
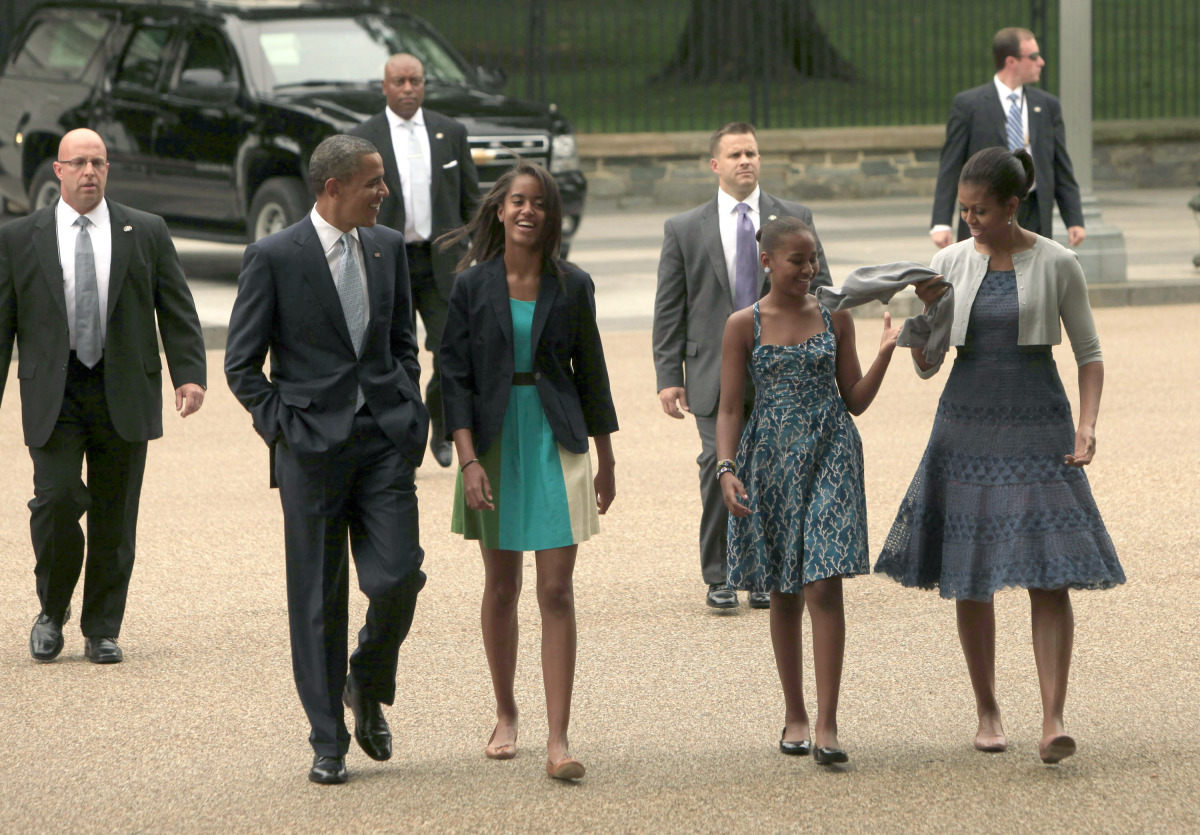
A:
x,y
668,65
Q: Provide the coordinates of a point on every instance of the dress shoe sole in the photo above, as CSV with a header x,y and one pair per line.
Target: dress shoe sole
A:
x,y
830,756
327,778
1058,750
565,769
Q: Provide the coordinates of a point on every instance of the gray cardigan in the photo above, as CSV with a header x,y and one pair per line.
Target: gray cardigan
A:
x,y
1050,287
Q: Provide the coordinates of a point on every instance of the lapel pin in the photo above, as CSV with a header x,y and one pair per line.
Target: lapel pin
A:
x,y
377,255
1037,110
441,135
128,229
772,217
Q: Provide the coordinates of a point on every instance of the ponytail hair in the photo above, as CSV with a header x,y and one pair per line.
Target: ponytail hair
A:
x,y
1003,173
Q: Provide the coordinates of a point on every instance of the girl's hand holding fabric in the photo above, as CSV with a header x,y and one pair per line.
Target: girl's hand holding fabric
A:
x,y
732,490
929,291
887,343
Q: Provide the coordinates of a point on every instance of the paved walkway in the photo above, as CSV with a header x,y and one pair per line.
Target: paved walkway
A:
x,y
677,708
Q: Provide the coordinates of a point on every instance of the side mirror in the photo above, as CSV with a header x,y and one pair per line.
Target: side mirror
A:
x,y
207,85
491,79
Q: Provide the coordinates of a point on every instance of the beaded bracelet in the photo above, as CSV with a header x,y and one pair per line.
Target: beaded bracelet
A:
x,y
725,466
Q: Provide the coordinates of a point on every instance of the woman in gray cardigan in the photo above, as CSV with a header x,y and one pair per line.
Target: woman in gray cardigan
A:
x,y
1000,498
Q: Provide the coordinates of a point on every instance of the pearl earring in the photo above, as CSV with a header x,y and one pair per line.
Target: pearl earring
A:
x,y
767,270
1010,221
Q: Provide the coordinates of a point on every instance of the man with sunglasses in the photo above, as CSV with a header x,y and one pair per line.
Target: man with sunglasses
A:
x,y
82,283
1010,113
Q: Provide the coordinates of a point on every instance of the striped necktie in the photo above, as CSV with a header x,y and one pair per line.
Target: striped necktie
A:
x,y
1016,132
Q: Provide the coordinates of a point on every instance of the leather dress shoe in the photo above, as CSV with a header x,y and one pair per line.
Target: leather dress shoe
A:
x,y
102,651
443,450
830,756
797,749
760,600
46,638
720,596
370,728
328,770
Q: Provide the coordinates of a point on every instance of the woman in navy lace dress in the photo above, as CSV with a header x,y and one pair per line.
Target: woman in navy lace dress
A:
x,y
798,515
1000,498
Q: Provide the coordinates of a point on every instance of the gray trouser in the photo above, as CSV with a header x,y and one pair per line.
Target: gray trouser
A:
x,y
714,518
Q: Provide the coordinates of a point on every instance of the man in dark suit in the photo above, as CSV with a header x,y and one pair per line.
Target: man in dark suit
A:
x,y
81,284
428,168
709,267
328,298
1007,112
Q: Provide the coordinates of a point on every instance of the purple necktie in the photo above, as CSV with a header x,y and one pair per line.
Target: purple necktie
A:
x,y
745,262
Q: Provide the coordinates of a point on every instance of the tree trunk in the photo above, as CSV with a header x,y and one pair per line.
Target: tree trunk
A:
x,y
734,40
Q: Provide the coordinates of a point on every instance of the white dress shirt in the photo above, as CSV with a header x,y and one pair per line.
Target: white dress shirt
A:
x,y
415,228
330,237
727,215
100,233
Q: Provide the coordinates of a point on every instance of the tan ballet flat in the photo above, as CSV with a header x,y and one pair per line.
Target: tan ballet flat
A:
x,y
566,769
500,752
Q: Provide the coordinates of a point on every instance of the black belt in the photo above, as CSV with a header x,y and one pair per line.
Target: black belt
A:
x,y
523,378
419,246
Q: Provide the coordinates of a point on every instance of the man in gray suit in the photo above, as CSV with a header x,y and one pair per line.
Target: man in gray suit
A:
x,y
700,283
435,189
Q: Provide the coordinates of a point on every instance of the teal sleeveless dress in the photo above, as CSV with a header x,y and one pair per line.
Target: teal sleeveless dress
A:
x,y
543,494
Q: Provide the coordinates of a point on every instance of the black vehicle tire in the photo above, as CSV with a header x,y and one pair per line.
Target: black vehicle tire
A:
x,y
278,203
44,189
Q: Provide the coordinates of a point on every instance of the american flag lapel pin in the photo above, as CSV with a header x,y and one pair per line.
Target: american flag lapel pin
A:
x,y
377,255
127,229
1037,110
441,135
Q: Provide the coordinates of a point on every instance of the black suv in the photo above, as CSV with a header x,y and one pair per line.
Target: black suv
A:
x,y
210,109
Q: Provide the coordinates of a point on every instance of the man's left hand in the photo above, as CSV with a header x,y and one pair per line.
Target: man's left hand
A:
x,y
189,398
1075,235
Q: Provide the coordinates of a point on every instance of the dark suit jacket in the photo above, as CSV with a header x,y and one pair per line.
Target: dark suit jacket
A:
x,y
977,121
568,359
693,299
146,282
287,303
455,183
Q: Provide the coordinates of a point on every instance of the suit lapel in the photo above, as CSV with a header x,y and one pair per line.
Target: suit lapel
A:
x,y
994,113
1038,126
391,173
547,293
373,270
439,155
315,270
45,243
710,231
496,288
122,250
768,210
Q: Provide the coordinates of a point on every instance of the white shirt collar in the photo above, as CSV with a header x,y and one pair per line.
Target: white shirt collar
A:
x,y
327,233
66,215
395,120
1005,91
727,203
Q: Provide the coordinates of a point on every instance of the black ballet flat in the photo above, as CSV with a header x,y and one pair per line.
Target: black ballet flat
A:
x,y
830,756
796,749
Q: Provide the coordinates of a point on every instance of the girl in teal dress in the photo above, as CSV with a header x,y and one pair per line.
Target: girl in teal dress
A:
x,y
524,385
798,513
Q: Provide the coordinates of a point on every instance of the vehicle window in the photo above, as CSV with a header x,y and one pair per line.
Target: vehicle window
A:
x,y
143,59
61,48
208,62
349,50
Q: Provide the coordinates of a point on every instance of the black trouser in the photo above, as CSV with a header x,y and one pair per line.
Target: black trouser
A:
x,y
432,304
110,498
363,488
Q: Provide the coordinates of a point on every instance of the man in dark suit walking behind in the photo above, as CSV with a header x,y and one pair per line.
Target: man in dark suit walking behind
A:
x,y
81,283
1008,113
328,298
427,166
709,268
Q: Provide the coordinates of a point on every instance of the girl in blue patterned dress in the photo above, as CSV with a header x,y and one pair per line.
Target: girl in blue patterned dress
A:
x,y
524,386
1000,498
798,516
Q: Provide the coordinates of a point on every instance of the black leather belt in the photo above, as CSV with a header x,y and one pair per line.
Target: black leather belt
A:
x,y
523,378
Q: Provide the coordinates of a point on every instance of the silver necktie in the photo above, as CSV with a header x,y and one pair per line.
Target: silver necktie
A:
x,y
350,290
88,345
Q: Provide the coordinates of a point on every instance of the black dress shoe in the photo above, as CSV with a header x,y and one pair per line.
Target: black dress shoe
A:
x,y
720,596
443,450
370,728
760,600
328,770
798,749
102,651
46,638
830,756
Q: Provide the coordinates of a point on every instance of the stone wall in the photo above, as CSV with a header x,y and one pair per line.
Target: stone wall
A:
x,y
671,169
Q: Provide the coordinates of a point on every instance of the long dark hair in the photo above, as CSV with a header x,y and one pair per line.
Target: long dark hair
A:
x,y
486,232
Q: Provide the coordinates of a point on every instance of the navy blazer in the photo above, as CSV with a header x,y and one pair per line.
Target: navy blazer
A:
x,y
568,359
287,304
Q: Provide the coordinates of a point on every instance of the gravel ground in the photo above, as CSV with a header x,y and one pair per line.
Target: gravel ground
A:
x,y
677,708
